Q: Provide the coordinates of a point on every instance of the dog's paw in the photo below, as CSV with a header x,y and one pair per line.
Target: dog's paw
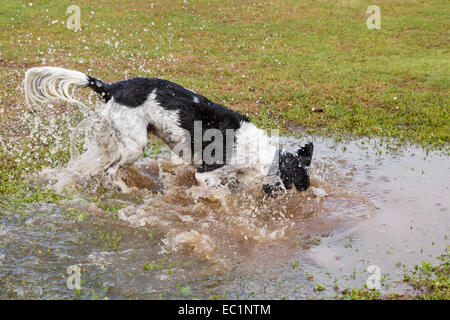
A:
x,y
305,153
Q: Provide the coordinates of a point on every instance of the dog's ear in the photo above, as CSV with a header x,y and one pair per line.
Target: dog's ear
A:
x,y
301,179
305,153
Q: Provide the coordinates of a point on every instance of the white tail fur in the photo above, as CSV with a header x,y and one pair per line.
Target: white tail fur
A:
x,y
42,84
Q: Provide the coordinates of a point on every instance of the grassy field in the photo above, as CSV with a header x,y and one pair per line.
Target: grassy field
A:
x,y
312,65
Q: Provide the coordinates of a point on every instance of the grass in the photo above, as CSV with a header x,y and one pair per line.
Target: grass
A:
x,y
428,282
309,64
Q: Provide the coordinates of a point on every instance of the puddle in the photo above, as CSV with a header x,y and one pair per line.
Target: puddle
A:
x,y
174,239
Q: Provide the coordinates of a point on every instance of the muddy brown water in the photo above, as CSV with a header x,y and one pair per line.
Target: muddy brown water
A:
x,y
180,240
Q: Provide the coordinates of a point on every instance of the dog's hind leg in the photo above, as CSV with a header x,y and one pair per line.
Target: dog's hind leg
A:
x,y
127,157
111,173
130,149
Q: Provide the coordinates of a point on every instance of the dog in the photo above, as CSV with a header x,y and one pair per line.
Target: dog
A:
x,y
138,107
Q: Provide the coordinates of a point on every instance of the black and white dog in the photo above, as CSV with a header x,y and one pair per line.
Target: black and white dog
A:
x,y
184,120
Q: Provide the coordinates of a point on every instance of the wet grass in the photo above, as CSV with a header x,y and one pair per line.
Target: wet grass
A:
x,y
312,63
309,64
428,282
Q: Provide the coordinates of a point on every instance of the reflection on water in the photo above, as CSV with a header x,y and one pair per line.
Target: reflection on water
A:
x,y
362,208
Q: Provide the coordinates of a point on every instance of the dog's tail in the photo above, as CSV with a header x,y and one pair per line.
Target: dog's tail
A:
x,y
42,84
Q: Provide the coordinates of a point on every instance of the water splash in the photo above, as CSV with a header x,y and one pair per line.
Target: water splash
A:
x,y
218,223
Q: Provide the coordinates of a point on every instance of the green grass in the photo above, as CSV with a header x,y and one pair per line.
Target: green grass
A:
x,y
429,282
309,64
284,57
313,65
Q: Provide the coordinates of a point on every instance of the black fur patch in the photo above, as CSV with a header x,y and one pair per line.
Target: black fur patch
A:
x,y
305,153
102,88
212,116
293,171
133,92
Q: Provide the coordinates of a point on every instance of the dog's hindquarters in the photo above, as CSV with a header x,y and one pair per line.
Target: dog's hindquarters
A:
x,y
43,84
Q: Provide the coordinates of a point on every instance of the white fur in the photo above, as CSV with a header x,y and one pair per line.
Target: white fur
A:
x,y
254,149
49,83
130,125
130,128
